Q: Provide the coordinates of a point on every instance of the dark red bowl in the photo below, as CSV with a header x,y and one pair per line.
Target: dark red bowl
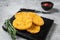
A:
x,y
47,5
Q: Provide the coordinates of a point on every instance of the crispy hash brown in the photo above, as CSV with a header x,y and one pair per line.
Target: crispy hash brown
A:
x,y
23,22
34,29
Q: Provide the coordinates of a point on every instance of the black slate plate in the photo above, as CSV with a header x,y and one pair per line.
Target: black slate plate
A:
x,y
39,36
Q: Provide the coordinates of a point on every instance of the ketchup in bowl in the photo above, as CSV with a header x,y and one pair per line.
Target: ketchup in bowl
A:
x,y
47,5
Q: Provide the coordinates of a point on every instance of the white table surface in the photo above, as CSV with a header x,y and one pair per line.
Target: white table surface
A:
x,y
9,7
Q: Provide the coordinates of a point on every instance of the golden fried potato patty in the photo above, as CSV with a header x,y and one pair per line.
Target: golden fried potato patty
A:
x,y
34,29
38,20
22,23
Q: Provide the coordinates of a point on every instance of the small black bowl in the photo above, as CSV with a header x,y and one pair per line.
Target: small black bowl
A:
x,y
47,5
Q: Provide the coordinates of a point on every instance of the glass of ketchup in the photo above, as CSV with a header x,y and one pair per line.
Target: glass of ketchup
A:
x,y
47,5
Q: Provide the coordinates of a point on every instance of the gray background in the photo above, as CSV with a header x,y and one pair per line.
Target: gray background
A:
x,y
9,7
